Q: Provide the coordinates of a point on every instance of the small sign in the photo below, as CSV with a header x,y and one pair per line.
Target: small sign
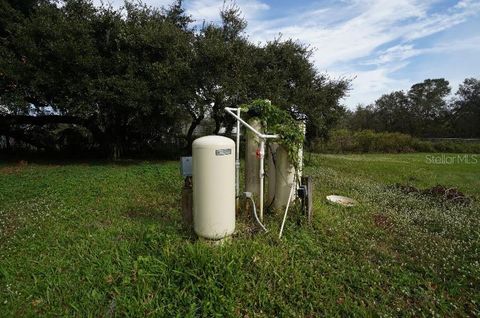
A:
x,y
223,152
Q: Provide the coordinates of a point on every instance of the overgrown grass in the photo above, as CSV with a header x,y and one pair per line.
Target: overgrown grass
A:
x,y
106,240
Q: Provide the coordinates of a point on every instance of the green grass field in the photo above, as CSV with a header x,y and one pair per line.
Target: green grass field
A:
x,y
106,240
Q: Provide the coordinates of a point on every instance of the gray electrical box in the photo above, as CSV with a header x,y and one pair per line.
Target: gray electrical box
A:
x,y
186,166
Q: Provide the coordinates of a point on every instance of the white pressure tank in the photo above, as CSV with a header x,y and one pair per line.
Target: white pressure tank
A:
x,y
213,181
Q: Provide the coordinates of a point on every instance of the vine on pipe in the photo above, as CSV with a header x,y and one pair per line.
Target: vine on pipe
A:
x,y
278,121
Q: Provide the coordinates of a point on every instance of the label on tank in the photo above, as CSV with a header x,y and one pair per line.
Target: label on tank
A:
x,y
223,152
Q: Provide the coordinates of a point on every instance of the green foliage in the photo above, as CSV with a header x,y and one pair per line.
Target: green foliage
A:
x,y
278,121
368,141
285,74
121,72
222,67
466,109
423,111
136,78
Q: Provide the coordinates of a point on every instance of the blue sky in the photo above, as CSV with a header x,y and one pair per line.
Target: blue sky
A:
x,y
384,45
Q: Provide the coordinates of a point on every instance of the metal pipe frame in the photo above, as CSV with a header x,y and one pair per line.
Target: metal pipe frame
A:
x,y
263,138
237,158
259,134
262,174
286,209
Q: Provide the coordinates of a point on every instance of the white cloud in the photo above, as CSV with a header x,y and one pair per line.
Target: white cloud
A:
x,y
119,3
439,22
375,24
369,85
360,29
209,10
378,23
367,39
402,52
396,53
468,4
203,10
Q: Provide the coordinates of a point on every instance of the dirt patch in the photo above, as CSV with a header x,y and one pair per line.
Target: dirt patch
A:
x,y
7,231
382,221
146,212
439,192
8,227
22,164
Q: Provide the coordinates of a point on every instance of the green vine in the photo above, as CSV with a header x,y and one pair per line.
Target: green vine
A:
x,y
278,121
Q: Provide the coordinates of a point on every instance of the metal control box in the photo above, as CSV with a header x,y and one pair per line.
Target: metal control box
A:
x,y
186,166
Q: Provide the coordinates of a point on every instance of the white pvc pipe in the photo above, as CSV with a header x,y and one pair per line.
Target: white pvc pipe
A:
x,y
252,162
262,175
259,134
286,210
256,216
262,149
263,137
237,159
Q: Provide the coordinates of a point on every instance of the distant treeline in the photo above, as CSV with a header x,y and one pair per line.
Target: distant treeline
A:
x,y
425,110
368,141
426,118
79,78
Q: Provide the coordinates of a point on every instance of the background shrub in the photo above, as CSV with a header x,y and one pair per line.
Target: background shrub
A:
x,y
369,141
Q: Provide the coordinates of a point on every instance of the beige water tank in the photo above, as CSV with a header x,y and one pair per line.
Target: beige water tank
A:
x,y
213,175
271,173
252,163
285,174
284,179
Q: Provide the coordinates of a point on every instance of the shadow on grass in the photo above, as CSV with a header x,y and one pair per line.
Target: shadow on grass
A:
x,y
66,162
149,213
168,221
91,160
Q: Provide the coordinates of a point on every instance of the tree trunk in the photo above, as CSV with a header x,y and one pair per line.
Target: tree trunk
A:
x,y
116,151
33,140
116,143
217,111
8,123
7,142
218,124
189,137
